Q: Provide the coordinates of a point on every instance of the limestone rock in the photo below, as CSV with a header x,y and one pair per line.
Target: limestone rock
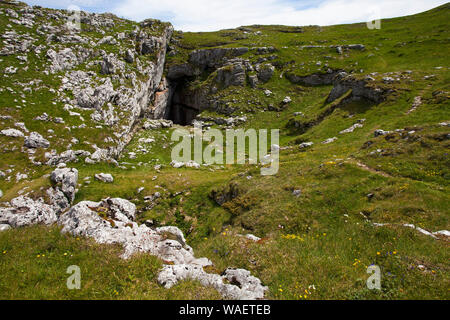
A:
x,y
104,177
66,179
111,64
129,56
157,124
305,145
329,140
380,132
232,74
12,133
24,211
265,72
35,140
242,285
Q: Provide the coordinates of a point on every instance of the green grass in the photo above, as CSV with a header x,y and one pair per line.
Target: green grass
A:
x,y
34,264
325,237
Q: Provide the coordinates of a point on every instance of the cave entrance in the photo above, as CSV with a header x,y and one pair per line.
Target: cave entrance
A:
x,y
182,108
182,114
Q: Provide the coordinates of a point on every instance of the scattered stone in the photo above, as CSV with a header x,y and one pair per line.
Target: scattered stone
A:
x,y
252,237
12,133
380,132
416,103
353,127
35,140
297,193
104,177
287,100
157,124
329,140
305,145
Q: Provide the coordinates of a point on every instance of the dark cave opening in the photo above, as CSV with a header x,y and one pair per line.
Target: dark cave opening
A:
x,y
182,114
181,111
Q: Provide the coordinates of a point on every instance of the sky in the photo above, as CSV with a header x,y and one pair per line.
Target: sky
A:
x,y
212,15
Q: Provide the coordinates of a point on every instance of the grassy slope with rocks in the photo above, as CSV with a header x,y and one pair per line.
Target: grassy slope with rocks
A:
x,y
315,246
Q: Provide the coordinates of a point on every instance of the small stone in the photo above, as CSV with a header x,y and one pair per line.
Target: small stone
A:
x,y
104,177
329,140
4,227
287,100
305,145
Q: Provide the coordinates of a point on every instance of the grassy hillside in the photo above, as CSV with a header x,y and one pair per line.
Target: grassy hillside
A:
x,y
315,246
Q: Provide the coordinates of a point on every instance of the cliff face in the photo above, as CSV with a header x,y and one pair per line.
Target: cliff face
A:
x,y
82,90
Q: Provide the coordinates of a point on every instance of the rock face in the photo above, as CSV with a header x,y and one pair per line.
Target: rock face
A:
x,y
265,72
213,58
360,89
111,221
232,74
202,59
162,100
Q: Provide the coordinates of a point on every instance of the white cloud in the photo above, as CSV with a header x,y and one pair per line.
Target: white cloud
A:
x,y
209,15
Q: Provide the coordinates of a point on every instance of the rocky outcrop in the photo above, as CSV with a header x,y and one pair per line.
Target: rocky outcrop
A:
x,y
121,104
24,211
360,88
111,64
66,179
111,221
265,72
12,133
157,124
242,285
202,59
231,74
214,58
